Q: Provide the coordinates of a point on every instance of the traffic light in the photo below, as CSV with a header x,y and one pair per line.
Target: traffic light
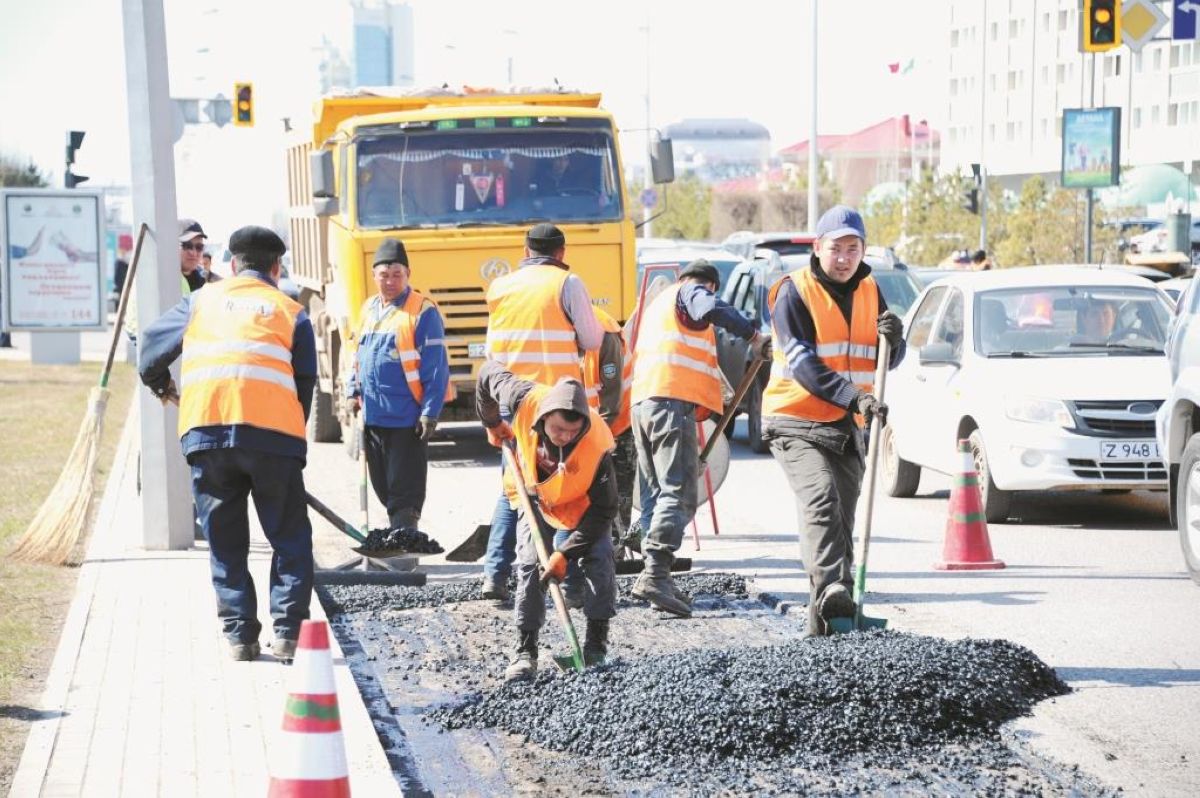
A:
x,y
74,142
243,104
1101,25
970,199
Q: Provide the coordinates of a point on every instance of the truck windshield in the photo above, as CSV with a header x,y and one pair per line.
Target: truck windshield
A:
x,y
490,176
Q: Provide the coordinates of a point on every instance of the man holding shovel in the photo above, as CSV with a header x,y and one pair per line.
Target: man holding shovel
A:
x,y
564,450
827,320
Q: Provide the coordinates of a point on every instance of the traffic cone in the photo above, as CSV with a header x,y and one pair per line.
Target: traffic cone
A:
x,y
967,546
311,760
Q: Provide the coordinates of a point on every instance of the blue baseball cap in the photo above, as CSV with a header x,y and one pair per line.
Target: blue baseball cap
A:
x,y
841,220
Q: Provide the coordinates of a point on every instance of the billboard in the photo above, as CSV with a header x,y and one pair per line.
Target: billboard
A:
x,y
53,246
1091,147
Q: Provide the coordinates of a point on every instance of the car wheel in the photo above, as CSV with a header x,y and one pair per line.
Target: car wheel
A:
x,y
996,502
754,420
1188,508
323,425
900,477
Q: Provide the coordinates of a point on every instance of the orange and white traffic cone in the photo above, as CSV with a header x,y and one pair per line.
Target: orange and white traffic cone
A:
x,y
311,760
967,546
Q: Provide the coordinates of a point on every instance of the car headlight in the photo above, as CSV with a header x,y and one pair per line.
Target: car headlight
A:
x,y
1038,411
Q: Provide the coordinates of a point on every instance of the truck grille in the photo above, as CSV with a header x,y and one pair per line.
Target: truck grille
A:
x,y
1144,471
466,314
1113,418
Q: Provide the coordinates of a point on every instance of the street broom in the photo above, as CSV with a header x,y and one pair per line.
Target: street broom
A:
x,y
61,519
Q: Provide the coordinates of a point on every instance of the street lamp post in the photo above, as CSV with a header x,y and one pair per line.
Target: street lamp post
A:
x,y
812,130
647,177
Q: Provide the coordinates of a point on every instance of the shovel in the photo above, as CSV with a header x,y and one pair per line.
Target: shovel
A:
x,y
535,531
860,622
473,547
349,529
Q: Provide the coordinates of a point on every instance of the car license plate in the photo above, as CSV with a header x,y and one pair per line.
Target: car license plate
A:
x,y
1129,450
477,350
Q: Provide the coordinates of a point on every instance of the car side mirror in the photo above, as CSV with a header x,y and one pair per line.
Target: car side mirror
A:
x,y
662,161
938,355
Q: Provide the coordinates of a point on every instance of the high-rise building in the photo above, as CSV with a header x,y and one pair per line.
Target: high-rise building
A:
x,y
1016,64
383,44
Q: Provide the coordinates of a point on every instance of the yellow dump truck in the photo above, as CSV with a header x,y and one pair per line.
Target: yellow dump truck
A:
x,y
459,177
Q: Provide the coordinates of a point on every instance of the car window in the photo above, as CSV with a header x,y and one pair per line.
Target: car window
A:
x,y
950,328
922,323
741,291
898,289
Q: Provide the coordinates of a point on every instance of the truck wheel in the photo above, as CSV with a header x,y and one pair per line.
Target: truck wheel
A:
x,y
323,424
1188,508
900,477
754,420
996,502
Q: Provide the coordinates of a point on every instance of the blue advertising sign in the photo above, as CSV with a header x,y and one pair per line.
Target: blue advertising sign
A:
x,y
1091,153
1183,19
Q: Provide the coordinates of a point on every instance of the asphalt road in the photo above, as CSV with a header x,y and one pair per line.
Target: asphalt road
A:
x,y
1094,586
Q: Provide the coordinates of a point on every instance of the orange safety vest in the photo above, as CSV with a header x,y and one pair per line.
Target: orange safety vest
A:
x,y
848,350
528,331
563,496
592,377
237,359
402,323
673,362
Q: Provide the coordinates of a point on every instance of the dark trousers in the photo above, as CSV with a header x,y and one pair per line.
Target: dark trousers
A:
x,y
397,461
222,480
826,485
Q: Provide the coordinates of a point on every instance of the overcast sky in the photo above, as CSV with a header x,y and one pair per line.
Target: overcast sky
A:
x,y
64,68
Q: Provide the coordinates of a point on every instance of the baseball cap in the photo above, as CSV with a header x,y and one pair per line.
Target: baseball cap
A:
x,y
545,238
841,220
256,246
189,229
390,251
701,268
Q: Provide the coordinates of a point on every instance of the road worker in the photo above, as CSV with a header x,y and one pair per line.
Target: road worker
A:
x,y
400,381
564,450
827,319
540,321
676,383
249,368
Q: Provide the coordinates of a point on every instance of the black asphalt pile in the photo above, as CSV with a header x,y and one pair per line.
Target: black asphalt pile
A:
x,y
727,713
410,540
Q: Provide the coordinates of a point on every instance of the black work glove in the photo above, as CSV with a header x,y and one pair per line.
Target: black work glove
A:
x,y
426,427
890,327
870,407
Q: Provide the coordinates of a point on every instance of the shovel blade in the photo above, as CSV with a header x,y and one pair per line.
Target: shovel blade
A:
x,y
473,547
566,662
380,554
862,623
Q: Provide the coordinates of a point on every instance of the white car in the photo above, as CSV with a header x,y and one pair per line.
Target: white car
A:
x,y
1179,425
1053,373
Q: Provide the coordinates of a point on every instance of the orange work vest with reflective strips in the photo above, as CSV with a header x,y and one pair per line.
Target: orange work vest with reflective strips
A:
x,y
847,349
673,362
237,359
563,496
401,323
528,331
592,377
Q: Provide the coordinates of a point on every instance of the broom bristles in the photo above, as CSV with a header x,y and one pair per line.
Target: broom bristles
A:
x,y
63,516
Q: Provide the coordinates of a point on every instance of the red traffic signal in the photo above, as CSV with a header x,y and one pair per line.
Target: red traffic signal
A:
x,y
243,104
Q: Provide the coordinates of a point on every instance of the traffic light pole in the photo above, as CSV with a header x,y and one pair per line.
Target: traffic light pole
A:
x,y
983,203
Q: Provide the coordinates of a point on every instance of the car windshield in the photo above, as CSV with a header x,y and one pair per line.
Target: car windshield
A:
x,y
787,247
488,175
898,289
1042,321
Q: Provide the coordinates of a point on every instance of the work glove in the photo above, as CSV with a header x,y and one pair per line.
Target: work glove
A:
x,y
426,427
870,407
760,346
890,327
556,568
500,433
167,394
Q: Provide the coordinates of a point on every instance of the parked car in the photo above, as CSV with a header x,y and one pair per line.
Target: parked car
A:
x,y
1178,426
744,243
683,254
1053,373
931,275
1175,287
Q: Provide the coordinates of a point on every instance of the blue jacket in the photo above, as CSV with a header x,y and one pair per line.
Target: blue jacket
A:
x,y
379,377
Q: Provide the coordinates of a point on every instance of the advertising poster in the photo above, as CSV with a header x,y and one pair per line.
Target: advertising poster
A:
x,y
53,275
1091,154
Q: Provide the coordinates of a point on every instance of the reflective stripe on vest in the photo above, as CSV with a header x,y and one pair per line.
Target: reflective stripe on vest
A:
x,y
673,362
237,359
848,350
528,331
592,377
563,496
401,323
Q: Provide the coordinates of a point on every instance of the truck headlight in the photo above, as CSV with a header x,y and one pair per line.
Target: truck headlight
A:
x,y
1038,411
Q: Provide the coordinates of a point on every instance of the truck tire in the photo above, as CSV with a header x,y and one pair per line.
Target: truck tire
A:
x,y
323,424
996,503
900,477
1187,509
758,444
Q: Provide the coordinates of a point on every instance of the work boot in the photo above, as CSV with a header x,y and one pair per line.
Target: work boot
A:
x,y
244,652
524,667
595,646
407,518
284,649
656,586
836,602
494,588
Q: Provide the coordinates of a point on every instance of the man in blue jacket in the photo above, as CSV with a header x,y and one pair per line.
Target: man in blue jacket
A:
x,y
400,382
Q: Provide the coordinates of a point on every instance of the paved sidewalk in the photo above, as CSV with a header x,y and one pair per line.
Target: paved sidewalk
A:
x,y
142,698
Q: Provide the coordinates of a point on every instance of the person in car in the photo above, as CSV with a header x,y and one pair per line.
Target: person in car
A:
x,y
1096,322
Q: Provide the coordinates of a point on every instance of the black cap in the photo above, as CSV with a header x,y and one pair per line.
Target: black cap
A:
x,y
545,238
390,251
704,270
256,247
189,229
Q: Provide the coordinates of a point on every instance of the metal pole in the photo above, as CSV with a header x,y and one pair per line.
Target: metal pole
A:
x,y
983,207
812,129
983,31
648,178
1089,198
166,500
